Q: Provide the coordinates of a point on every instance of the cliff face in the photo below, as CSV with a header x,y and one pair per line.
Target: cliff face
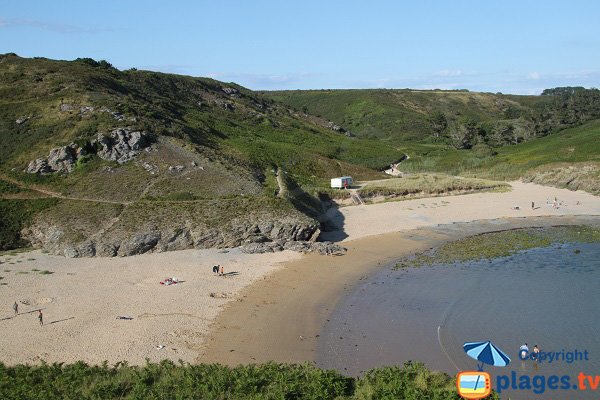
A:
x,y
273,234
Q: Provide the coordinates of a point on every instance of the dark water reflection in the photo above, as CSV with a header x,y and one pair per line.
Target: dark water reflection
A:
x,y
549,297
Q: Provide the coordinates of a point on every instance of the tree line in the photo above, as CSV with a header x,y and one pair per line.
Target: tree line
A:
x,y
568,107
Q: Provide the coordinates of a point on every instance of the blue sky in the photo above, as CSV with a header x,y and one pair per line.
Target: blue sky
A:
x,y
508,46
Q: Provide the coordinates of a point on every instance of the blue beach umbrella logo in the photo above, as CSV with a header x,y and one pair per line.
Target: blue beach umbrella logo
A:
x,y
486,353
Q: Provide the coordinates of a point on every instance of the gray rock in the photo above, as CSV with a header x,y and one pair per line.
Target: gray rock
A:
x,y
21,120
176,168
178,239
205,239
38,166
324,248
62,159
230,91
70,252
152,168
86,109
260,248
121,145
66,107
140,243
87,249
106,249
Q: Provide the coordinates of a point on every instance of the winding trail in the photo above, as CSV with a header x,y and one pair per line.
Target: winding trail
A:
x,y
57,195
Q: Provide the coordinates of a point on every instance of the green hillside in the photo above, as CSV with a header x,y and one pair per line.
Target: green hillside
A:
x,y
459,118
396,115
97,161
576,146
212,147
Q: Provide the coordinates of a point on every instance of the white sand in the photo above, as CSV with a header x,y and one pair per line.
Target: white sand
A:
x,y
83,297
374,219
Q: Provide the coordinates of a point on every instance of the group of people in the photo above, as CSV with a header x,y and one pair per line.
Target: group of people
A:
x,y
40,315
218,269
524,351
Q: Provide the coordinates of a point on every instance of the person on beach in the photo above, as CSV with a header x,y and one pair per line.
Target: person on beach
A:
x,y
16,308
536,353
41,317
533,205
222,272
215,269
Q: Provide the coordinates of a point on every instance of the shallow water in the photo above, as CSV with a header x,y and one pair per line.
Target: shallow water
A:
x,y
549,297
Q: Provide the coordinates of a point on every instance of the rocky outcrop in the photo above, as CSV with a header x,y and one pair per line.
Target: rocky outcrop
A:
x,y
60,159
121,145
139,243
231,91
253,238
324,248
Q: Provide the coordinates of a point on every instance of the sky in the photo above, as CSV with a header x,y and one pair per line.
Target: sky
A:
x,y
519,47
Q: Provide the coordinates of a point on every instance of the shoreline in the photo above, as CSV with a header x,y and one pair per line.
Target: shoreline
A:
x,y
283,316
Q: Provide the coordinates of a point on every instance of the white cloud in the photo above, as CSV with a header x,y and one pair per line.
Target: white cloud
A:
x,y
534,75
262,81
448,72
47,26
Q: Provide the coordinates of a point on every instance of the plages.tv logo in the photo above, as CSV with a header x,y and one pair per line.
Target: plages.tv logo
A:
x,y
473,385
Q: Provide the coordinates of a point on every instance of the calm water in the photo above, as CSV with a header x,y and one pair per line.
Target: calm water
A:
x,y
549,297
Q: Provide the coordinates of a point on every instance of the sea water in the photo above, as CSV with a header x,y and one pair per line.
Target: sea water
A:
x,y
549,297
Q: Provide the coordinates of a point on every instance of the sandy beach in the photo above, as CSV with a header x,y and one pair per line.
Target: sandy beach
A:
x,y
360,221
273,306
82,299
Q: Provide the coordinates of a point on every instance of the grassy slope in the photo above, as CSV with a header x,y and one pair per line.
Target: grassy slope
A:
x,y
426,185
398,115
238,146
575,145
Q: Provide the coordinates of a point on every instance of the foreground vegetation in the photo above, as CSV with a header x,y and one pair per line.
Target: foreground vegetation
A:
x,y
167,380
502,244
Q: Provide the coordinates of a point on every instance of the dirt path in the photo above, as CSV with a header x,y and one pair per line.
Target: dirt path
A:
x,y
49,193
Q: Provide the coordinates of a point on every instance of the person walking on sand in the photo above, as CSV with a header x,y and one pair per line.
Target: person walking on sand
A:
x,y
215,269
533,205
222,271
41,317
536,353
16,308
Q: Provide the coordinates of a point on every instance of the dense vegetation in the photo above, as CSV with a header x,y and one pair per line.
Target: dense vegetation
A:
x,y
267,381
575,146
458,118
